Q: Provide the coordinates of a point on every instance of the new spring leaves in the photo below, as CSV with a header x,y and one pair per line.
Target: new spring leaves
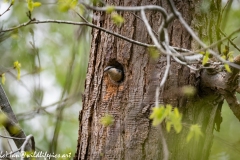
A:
x,y
116,18
160,113
173,119
17,67
65,5
226,55
31,5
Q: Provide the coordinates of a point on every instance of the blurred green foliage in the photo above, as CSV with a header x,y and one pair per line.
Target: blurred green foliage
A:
x,y
54,60
226,145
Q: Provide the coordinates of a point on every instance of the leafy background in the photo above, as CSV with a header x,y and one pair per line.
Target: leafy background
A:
x,y
54,59
226,145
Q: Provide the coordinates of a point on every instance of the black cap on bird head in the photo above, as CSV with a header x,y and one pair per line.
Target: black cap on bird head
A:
x,y
107,68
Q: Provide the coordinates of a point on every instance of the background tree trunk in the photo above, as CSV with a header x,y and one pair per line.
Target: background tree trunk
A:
x,y
132,136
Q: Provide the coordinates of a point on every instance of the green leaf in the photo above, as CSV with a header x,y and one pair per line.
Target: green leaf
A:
x,y
177,127
32,4
110,9
36,4
158,115
225,50
228,69
168,112
3,78
195,132
168,126
73,4
230,56
12,2
117,19
176,113
224,57
3,119
173,118
168,109
107,120
154,53
176,119
205,58
17,66
95,2
189,90
190,135
65,5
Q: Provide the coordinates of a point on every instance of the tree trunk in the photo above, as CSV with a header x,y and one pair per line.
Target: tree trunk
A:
x,y
132,136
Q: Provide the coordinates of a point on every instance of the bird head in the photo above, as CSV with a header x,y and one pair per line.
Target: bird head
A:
x,y
114,73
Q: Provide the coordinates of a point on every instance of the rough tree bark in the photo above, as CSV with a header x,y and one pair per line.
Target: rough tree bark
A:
x,y
132,136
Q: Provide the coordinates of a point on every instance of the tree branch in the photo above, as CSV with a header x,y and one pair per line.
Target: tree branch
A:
x,y
132,8
26,142
233,44
10,121
168,18
196,38
139,8
149,29
77,23
6,9
233,103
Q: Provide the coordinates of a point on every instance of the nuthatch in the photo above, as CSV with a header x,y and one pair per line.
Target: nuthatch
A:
x,y
115,74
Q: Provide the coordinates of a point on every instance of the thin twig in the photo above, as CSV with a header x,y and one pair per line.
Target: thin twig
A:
x,y
149,29
221,40
8,137
166,45
183,22
227,4
182,49
205,47
164,144
160,29
78,23
36,110
196,38
6,9
28,138
142,21
84,19
233,44
233,146
166,71
130,8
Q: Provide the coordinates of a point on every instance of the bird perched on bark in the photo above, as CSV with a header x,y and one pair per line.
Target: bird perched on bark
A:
x,y
115,74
